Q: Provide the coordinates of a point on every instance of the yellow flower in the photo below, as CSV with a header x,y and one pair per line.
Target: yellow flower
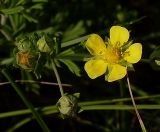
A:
x,y
112,57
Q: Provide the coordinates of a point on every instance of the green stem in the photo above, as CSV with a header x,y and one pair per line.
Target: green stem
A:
x,y
20,124
27,103
119,107
135,107
53,109
27,111
58,78
81,104
116,100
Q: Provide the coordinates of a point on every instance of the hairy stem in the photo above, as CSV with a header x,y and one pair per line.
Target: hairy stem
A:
x,y
58,78
135,107
32,81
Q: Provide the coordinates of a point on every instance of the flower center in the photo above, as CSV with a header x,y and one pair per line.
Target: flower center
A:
x,y
112,54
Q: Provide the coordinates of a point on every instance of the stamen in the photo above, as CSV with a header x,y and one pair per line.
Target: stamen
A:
x,y
112,55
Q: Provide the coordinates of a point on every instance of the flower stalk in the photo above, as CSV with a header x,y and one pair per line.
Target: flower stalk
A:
x,y
135,107
58,78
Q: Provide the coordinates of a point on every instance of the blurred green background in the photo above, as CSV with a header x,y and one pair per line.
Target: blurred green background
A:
x,y
74,19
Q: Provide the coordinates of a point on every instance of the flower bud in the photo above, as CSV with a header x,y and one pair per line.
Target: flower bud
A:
x,y
26,59
43,44
25,44
67,105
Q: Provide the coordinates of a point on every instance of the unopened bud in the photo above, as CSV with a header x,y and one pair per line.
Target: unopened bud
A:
x,y
67,105
25,45
43,44
26,59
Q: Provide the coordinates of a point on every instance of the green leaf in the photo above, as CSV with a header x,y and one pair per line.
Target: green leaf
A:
x,y
21,2
29,18
155,53
12,10
77,95
157,62
74,31
39,0
75,53
73,42
155,59
57,63
37,6
7,61
71,66
67,52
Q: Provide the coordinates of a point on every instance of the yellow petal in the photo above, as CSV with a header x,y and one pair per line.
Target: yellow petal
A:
x,y
133,53
118,35
115,72
95,45
95,68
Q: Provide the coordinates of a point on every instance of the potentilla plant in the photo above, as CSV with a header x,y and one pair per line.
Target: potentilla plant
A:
x,y
111,57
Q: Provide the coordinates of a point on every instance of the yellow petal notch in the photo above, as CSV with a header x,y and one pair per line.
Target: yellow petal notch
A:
x,y
118,35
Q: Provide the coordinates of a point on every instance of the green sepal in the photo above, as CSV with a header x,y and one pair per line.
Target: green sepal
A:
x,y
42,45
126,45
77,95
27,42
80,110
127,64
